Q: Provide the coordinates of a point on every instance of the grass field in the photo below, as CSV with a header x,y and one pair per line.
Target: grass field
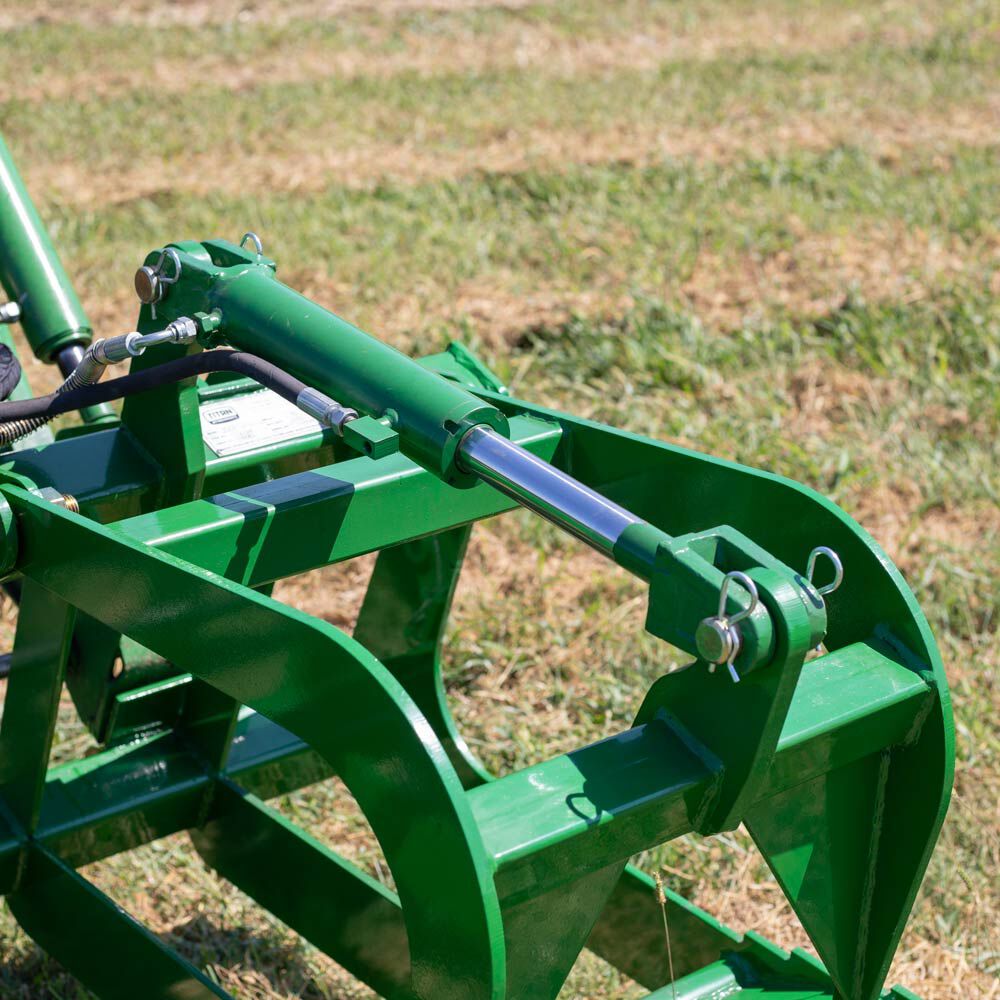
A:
x,y
769,231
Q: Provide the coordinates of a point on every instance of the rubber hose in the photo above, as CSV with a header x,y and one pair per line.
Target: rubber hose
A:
x,y
65,401
21,427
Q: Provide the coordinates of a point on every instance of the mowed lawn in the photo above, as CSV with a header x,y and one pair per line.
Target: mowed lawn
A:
x,y
768,231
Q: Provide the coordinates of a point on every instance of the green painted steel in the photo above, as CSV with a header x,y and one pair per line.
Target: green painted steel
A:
x,y
219,698
31,273
32,700
107,950
267,318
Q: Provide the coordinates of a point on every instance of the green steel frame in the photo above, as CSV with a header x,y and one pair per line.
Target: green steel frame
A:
x,y
152,604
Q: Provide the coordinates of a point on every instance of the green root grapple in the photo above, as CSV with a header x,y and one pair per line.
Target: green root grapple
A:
x,y
261,436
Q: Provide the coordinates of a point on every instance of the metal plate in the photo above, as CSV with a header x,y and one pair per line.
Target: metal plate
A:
x,y
258,419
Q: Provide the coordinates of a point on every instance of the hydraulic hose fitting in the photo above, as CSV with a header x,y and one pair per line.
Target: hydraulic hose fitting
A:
x,y
131,345
113,351
327,411
96,360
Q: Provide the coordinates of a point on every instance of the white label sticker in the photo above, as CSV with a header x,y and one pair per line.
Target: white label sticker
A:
x,y
254,420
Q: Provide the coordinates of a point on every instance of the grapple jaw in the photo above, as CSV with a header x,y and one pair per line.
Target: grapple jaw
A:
x,y
838,762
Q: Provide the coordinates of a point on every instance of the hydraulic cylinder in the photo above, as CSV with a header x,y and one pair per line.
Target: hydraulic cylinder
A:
x,y
431,414
32,274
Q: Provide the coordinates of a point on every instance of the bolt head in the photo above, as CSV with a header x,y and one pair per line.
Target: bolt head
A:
x,y
147,285
714,640
10,312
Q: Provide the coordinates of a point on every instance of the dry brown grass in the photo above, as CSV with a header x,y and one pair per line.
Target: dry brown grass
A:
x,y
518,624
333,594
421,160
197,13
530,45
705,32
881,261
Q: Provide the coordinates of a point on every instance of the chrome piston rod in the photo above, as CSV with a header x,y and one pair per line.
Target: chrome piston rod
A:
x,y
546,490
601,523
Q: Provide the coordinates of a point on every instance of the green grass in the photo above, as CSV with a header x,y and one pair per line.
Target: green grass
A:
x,y
77,47
576,228
824,307
459,108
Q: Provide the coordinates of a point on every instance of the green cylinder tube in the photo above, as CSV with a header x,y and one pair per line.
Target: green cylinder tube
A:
x,y
31,273
430,413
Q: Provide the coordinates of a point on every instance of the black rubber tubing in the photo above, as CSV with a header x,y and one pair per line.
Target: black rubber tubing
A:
x,y
261,371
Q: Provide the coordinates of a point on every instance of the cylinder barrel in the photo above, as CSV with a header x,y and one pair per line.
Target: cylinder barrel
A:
x,y
431,414
31,273
440,424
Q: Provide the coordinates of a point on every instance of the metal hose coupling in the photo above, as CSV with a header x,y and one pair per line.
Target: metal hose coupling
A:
x,y
131,345
95,362
327,411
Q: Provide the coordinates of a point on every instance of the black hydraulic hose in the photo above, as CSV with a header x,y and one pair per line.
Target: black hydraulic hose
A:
x,y
261,371
68,360
47,407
